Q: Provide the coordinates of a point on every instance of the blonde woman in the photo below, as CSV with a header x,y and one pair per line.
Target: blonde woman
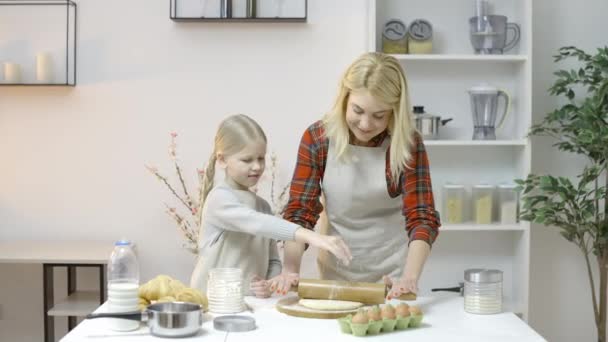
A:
x,y
238,229
370,164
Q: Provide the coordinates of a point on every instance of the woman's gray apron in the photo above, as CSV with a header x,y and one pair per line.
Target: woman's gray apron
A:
x,y
360,210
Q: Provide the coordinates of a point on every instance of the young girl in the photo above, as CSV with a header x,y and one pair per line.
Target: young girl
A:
x,y
238,228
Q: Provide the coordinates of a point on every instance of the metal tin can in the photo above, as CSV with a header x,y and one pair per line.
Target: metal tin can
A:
x,y
482,291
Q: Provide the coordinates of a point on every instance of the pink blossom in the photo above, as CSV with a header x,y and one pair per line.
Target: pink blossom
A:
x,y
173,134
151,169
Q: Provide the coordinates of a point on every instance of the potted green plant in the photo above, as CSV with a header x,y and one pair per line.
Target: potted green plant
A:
x,y
578,208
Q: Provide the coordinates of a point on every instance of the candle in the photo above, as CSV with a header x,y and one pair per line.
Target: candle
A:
x,y
44,68
12,73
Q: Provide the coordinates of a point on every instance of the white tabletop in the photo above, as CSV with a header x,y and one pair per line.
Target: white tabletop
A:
x,y
55,252
444,320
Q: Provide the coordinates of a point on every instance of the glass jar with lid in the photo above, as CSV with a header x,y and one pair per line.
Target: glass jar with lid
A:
x,y
482,291
483,203
225,290
508,203
453,203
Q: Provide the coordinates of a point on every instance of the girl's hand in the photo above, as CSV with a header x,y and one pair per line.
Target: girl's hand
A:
x,y
333,244
260,287
405,284
282,283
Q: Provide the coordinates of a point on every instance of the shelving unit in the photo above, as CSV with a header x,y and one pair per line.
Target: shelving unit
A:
x,y
439,82
294,11
483,227
518,142
70,255
464,58
78,304
15,30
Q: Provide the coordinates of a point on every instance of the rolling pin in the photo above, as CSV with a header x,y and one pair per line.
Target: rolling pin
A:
x,y
366,293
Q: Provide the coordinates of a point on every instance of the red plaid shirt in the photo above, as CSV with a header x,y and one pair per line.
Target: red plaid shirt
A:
x,y
304,206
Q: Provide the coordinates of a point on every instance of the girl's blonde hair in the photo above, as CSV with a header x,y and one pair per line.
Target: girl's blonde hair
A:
x,y
233,134
382,76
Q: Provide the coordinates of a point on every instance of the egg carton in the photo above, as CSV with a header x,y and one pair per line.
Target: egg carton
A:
x,y
378,327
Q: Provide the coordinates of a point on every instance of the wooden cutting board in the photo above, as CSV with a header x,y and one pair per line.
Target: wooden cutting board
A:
x,y
290,306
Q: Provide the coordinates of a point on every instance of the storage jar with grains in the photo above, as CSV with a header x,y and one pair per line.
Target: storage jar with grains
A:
x,y
394,37
482,291
483,203
453,203
420,37
508,202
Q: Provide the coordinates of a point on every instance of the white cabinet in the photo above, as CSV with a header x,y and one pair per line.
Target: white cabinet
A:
x,y
439,82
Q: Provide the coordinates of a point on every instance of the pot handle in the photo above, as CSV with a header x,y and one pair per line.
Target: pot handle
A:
x,y
131,315
451,289
443,122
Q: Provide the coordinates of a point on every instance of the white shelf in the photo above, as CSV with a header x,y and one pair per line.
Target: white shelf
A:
x,y
462,58
440,82
482,227
517,142
79,303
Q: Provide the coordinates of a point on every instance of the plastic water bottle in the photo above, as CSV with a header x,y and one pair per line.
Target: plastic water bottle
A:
x,y
123,284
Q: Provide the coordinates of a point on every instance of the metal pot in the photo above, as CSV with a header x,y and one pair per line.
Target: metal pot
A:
x,y
172,319
428,124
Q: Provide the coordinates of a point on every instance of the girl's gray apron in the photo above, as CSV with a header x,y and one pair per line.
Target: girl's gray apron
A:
x,y
360,210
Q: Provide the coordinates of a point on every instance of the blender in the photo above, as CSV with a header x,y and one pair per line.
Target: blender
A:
x,y
484,108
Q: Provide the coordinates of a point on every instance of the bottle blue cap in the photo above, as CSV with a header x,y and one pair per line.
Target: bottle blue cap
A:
x,y
122,243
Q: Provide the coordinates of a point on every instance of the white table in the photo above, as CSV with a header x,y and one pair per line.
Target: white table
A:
x,y
69,254
444,320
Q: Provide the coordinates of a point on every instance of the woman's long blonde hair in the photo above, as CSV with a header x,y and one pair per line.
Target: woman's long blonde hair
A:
x,y
382,76
233,134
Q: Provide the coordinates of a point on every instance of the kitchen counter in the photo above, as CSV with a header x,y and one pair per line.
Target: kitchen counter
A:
x,y
444,320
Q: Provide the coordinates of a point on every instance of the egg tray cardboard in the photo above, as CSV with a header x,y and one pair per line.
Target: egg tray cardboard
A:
x,y
378,327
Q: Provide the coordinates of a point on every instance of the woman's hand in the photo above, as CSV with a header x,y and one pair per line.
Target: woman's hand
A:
x,y
260,287
282,283
405,284
333,244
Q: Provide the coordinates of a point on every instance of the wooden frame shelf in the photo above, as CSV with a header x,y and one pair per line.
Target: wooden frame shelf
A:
x,y
71,27
173,15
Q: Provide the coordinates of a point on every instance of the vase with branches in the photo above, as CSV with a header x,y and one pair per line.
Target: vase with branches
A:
x,y
578,208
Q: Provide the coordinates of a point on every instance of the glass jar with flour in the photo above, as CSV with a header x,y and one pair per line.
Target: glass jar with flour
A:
x,y
483,203
508,203
453,203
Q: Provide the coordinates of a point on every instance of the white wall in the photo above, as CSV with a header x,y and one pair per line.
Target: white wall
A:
x,y
559,287
72,159
72,164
